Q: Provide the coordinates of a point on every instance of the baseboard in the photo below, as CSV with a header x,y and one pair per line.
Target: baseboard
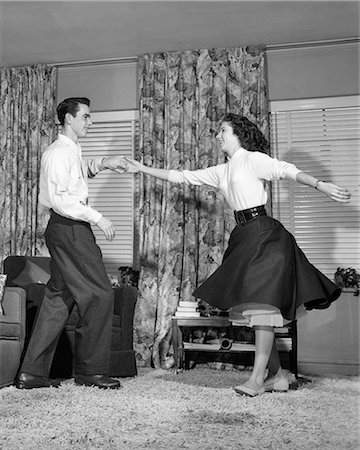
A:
x,y
325,367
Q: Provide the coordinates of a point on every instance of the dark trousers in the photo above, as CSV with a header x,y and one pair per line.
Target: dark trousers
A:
x,y
78,277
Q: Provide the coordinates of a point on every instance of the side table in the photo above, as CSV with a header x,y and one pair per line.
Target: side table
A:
x,y
181,347
289,333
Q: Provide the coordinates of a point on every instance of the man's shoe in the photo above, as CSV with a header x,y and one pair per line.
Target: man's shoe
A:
x,y
100,381
29,381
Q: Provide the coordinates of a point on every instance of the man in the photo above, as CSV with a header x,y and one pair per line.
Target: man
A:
x,y
78,276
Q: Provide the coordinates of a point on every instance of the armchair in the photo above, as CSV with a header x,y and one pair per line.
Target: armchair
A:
x,y
32,273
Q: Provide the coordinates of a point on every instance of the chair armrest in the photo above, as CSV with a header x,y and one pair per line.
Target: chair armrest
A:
x,y
38,267
14,303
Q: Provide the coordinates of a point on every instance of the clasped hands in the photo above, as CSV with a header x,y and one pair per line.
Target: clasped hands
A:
x,y
121,164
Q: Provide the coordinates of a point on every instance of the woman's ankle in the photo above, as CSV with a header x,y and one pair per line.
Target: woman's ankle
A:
x,y
278,374
255,380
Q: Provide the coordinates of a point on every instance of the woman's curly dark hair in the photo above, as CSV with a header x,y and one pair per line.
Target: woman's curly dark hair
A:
x,y
249,135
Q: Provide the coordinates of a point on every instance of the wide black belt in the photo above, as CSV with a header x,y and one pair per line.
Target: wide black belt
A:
x,y
246,215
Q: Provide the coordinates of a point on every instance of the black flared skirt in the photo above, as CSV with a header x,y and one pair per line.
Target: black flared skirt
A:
x,y
263,264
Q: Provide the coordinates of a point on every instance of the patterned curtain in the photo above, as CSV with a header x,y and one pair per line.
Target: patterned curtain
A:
x,y
183,230
27,111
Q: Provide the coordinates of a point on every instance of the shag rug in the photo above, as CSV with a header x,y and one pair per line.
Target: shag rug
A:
x,y
194,409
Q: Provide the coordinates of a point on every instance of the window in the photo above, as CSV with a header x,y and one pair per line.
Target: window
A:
x,y
320,136
113,133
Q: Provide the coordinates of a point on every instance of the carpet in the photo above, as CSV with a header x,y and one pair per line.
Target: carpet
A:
x,y
194,409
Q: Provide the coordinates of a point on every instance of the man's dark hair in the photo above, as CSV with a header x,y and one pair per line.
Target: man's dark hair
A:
x,y
70,105
249,135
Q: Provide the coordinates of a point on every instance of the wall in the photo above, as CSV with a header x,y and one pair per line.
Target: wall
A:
x,y
110,87
325,71
328,340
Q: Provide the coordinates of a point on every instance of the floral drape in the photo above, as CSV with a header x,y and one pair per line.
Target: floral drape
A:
x,y
183,230
27,125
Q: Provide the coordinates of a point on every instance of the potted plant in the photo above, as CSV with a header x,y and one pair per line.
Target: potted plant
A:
x,y
348,278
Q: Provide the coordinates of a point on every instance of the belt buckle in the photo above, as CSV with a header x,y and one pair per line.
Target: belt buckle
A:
x,y
241,217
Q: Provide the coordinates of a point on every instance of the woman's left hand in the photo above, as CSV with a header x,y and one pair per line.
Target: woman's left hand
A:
x,y
337,193
133,166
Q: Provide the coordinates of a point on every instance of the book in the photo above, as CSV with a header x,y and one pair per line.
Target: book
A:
x,y
187,314
283,330
240,323
185,308
188,304
283,344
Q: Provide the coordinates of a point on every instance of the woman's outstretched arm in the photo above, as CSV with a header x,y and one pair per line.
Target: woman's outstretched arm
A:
x,y
133,166
337,193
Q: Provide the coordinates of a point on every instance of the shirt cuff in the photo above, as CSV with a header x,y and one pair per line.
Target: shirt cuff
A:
x,y
100,164
95,166
95,217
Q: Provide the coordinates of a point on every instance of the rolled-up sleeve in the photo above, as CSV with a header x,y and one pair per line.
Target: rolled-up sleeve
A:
x,y
94,166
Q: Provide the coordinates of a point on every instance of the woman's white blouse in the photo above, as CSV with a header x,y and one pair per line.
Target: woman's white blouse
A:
x,y
241,179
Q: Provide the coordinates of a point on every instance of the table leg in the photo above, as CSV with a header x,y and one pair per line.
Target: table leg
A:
x,y
177,345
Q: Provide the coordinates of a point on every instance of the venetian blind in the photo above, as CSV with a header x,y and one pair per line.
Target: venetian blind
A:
x,y
321,137
113,133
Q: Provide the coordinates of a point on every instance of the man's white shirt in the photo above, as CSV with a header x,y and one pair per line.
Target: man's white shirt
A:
x,y
63,180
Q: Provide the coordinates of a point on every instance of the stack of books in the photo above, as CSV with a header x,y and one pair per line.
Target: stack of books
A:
x,y
283,340
187,309
283,344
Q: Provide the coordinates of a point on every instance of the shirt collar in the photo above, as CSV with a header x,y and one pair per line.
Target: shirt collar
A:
x,y
64,139
240,151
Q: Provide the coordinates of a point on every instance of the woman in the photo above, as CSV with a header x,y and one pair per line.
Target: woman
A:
x,y
264,275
